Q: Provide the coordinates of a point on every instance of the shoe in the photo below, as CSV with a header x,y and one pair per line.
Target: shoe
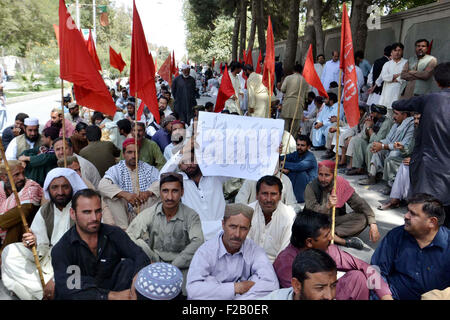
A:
x,y
388,206
354,242
355,172
386,191
328,155
318,148
368,181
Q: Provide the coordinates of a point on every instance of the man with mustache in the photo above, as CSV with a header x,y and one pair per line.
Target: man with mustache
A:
x,y
415,258
230,266
169,231
272,220
19,272
106,258
24,141
56,118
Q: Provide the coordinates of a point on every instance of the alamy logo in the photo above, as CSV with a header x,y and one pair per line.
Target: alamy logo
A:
x,y
373,278
74,280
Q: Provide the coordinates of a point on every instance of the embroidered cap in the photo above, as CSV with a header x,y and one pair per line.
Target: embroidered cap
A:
x,y
159,281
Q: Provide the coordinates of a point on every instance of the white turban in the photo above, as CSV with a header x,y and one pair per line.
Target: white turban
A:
x,y
74,179
185,66
31,122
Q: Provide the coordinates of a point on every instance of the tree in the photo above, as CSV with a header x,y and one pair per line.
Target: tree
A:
x,y
235,41
358,23
243,32
292,39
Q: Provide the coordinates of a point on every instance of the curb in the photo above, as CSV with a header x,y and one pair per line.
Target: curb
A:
x,y
31,96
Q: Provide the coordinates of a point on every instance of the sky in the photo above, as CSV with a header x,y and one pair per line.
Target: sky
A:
x,y
163,23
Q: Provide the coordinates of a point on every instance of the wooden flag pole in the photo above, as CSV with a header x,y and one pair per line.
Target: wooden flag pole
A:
x,y
63,123
22,215
292,124
333,214
136,145
270,96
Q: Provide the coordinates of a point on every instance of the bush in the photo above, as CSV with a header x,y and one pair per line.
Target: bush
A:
x,y
28,82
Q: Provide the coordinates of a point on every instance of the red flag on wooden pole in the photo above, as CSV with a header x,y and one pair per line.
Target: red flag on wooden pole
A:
x,y
77,66
142,69
310,74
164,71
92,51
115,60
249,58
258,65
244,56
347,64
269,60
226,90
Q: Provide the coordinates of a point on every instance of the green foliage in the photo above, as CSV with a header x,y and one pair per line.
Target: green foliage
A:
x,y
394,6
28,82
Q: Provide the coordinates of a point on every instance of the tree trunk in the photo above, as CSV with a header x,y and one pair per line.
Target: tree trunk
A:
x,y
251,38
235,39
358,22
292,38
310,36
318,28
243,10
260,23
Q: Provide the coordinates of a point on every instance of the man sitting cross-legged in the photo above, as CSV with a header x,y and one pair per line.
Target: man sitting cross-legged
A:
x,y
103,256
311,230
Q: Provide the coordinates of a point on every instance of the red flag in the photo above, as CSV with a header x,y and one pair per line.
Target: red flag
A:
x,y
310,74
221,64
244,56
429,47
347,64
226,90
142,69
240,60
92,52
115,60
77,66
156,63
187,62
249,58
258,64
177,71
212,64
164,71
269,60
56,28
172,64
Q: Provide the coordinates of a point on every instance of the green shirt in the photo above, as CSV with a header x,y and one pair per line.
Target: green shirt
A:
x,y
149,152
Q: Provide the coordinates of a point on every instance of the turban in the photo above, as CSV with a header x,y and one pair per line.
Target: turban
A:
x,y
378,108
343,188
178,122
234,209
74,179
129,141
31,122
327,163
167,120
159,281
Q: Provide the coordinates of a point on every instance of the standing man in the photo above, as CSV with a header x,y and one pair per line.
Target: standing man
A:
x,y
429,169
320,65
25,141
330,72
291,89
418,71
89,243
231,266
376,71
258,95
183,90
233,104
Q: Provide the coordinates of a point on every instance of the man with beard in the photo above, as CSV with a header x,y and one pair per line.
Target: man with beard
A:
x,y
169,231
19,272
15,130
24,141
319,198
312,230
231,266
74,114
177,137
183,90
415,258
162,136
314,277
30,195
88,242
272,220
79,139
122,195
56,118
300,166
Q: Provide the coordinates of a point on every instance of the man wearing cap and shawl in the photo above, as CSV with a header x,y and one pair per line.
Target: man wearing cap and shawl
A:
x,y
169,231
56,117
377,127
272,219
319,198
24,141
162,136
121,194
231,266
19,272
183,91
105,257
30,195
74,114
157,281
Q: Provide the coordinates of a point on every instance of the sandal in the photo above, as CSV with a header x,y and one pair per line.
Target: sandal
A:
x,y
388,206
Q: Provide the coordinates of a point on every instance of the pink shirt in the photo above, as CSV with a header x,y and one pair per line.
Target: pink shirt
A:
x,y
69,128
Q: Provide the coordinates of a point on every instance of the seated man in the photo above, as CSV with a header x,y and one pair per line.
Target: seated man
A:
x,y
56,118
310,115
25,141
301,167
319,198
38,161
311,230
122,195
88,170
314,277
162,136
402,131
177,138
149,151
15,130
78,139
415,258
272,220
72,163
19,272
229,266
169,231
84,245
325,118
30,195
